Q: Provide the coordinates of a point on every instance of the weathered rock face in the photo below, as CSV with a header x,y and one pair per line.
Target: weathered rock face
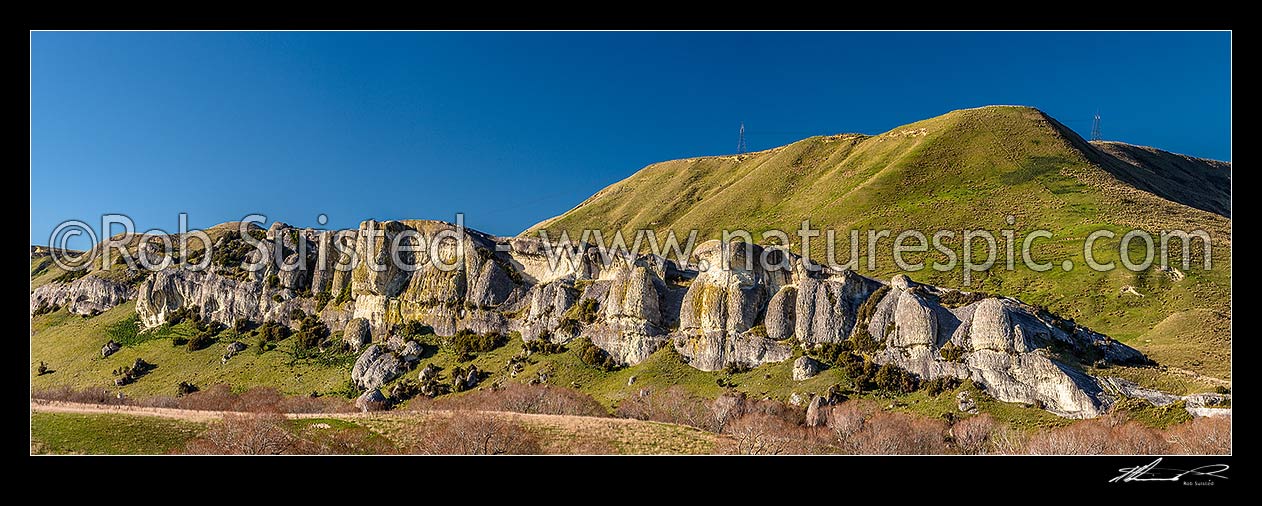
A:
x,y
357,333
629,326
1001,343
724,301
827,306
782,313
84,296
741,305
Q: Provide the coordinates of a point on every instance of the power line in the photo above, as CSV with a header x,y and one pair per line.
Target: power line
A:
x,y
740,144
1095,126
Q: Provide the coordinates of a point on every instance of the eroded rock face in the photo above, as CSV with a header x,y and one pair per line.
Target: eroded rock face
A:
x,y
357,333
724,307
1001,343
84,296
782,313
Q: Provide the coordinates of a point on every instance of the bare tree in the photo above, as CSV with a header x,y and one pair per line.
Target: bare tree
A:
x,y
973,434
474,433
761,433
246,434
1201,436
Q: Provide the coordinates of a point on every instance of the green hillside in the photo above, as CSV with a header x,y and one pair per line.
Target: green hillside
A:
x,y
968,169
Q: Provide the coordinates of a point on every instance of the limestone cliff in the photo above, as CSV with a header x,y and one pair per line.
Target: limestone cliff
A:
x,y
728,304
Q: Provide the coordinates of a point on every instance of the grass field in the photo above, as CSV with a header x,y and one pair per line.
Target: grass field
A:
x,y
136,434
108,434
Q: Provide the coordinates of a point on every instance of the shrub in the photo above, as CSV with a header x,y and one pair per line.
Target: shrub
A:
x,y
467,342
543,346
672,405
185,388
868,308
759,433
311,331
42,369
956,298
343,295
322,299
937,386
891,378
521,398
1222,390
951,353
592,355
272,332
585,311
473,433
246,434
180,314
735,368
830,353
200,341
759,330
1201,436
972,435
273,280
412,330
242,326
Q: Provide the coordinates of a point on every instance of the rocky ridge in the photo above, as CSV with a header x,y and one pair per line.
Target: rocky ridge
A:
x,y
724,306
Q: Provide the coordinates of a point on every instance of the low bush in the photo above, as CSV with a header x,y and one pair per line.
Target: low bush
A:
x,y
593,355
200,340
937,386
543,347
185,388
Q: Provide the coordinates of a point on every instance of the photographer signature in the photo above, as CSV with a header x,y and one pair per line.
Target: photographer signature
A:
x,y
1151,472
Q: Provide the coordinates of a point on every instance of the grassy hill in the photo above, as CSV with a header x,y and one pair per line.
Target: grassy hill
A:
x,y
968,169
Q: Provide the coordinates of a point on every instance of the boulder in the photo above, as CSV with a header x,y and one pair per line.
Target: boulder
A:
x,y
411,352
429,372
472,377
110,348
371,400
964,402
376,366
806,367
817,412
357,333
235,347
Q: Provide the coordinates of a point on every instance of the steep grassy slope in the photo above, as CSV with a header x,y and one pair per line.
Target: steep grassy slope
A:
x,y
70,346
967,169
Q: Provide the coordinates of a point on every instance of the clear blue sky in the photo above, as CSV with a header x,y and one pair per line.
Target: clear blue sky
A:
x,y
513,128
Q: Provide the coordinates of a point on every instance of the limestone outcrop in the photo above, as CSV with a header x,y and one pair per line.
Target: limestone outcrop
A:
x,y
729,304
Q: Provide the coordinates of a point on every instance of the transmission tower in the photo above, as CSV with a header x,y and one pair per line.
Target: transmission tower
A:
x,y
740,144
1095,127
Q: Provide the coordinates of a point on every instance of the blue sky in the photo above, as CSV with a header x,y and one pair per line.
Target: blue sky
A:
x,y
513,128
